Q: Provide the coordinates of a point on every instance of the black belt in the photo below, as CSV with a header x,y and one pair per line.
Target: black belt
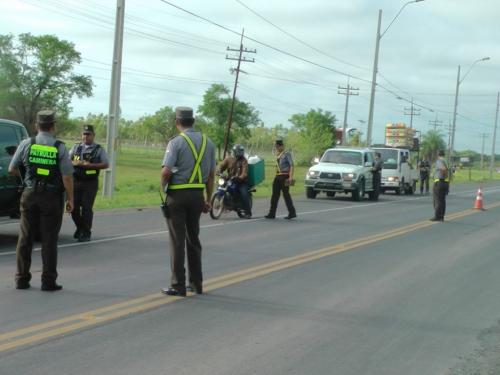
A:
x,y
40,186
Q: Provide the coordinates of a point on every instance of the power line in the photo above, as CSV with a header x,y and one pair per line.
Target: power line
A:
x,y
299,40
265,44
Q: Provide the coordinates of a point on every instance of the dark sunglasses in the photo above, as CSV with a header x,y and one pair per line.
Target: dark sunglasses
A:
x,y
86,133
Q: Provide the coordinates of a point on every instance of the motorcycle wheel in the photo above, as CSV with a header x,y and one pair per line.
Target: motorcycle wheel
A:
x,y
217,203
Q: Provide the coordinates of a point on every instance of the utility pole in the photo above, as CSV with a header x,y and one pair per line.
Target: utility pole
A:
x,y
239,59
450,129
492,159
436,123
412,111
114,102
483,136
348,92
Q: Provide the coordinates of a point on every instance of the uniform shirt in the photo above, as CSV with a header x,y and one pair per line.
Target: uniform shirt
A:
x,y
101,156
180,159
285,162
438,172
377,165
235,167
424,168
21,156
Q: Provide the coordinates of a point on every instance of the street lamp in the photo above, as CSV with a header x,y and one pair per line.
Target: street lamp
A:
x,y
375,68
459,81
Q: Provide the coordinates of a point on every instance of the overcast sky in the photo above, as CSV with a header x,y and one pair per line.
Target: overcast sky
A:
x,y
171,57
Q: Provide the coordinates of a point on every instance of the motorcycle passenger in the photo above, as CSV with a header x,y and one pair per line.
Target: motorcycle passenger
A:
x,y
237,169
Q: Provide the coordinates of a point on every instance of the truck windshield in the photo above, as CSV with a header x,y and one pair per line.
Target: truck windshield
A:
x,y
389,157
342,157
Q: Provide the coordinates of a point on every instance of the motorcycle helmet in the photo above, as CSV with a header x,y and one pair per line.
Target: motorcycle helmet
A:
x,y
238,151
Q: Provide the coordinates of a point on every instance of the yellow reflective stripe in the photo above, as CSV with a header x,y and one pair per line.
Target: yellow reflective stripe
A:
x,y
44,148
185,186
197,157
197,168
42,171
439,179
90,171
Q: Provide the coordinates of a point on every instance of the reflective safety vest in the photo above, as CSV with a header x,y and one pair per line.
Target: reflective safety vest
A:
x,y
85,174
446,179
43,165
198,157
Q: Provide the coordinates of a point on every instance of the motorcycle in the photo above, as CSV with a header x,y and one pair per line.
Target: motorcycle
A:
x,y
227,198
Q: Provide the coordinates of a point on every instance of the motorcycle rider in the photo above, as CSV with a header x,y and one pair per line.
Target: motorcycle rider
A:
x,y
237,169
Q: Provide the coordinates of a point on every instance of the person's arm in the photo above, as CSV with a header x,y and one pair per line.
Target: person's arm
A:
x,y
292,168
209,188
16,162
222,166
68,186
244,171
164,177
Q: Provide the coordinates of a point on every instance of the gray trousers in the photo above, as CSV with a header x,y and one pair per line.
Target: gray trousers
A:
x,y
185,208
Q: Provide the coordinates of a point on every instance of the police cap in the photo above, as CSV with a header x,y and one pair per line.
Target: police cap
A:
x,y
88,129
278,142
46,117
184,113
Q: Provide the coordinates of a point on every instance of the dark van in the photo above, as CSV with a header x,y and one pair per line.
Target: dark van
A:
x,y
11,134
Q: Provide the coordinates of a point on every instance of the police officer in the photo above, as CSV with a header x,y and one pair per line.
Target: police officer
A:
x,y
47,173
188,170
440,188
424,168
88,159
282,181
376,171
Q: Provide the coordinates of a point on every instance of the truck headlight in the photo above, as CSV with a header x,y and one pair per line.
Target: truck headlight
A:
x,y
393,179
313,174
349,176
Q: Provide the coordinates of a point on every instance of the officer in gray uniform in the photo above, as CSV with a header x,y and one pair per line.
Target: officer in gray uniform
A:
x,y
188,170
88,159
377,175
440,188
282,182
47,172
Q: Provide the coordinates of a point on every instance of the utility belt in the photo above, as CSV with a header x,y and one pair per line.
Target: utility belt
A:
x,y
441,180
170,191
283,174
42,186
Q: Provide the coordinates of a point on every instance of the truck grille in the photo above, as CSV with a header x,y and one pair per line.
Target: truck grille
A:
x,y
331,176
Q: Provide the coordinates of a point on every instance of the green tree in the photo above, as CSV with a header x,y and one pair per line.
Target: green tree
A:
x,y
215,111
316,132
432,142
37,73
159,127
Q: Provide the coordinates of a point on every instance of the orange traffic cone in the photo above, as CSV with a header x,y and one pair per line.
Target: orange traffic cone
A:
x,y
478,205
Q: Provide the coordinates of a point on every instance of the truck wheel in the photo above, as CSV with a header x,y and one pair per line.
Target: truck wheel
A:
x,y
359,193
311,193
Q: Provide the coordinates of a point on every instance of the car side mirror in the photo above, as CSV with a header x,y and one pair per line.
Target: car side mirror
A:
x,y
11,150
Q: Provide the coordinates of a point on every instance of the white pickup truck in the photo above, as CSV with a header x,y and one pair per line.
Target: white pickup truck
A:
x,y
397,173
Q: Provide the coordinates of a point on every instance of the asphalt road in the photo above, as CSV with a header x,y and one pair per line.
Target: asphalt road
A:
x,y
347,288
